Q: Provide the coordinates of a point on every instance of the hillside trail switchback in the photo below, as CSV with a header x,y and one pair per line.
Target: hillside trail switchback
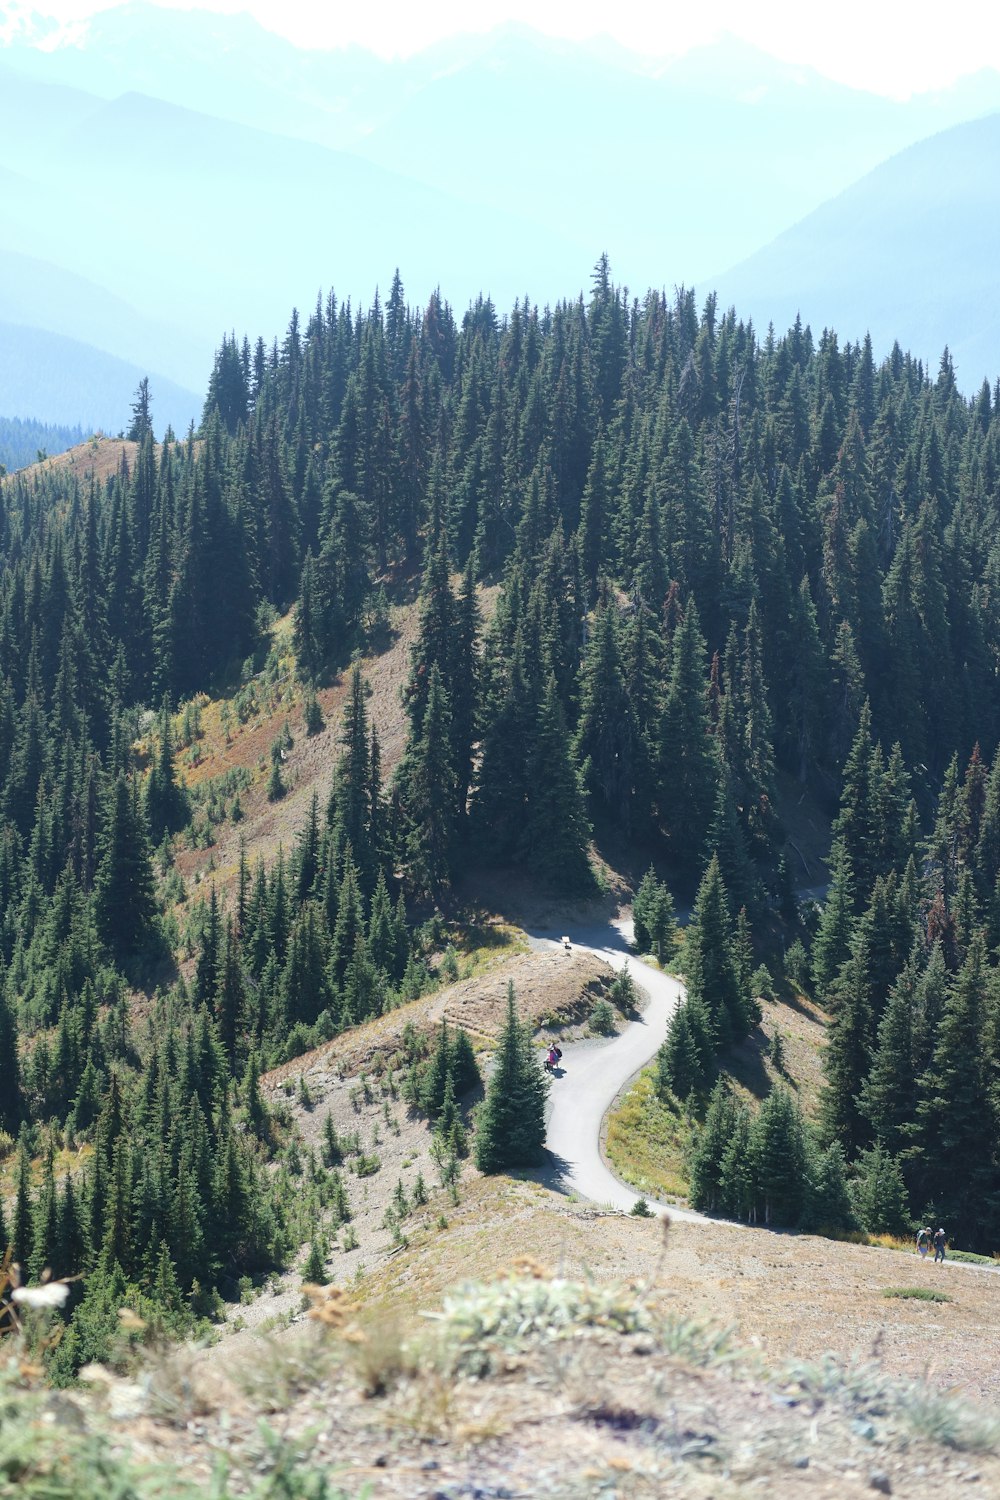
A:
x,y
597,1070
594,1073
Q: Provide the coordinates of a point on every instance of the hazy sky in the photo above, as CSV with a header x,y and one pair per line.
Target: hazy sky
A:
x,y
877,44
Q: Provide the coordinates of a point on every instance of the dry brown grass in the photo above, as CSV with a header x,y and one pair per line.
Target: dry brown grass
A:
x,y
309,765
97,458
549,986
801,1025
636,1394
793,1296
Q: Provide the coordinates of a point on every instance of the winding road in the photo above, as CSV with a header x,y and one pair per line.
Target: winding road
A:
x,y
595,1072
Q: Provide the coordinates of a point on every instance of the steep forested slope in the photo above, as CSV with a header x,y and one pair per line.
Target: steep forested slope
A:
x,y
723,565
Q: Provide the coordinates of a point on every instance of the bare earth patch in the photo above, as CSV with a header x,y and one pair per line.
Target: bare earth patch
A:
x,y
801,1024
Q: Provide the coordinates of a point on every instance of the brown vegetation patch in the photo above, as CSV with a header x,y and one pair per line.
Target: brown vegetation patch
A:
x,y
309,764
97,458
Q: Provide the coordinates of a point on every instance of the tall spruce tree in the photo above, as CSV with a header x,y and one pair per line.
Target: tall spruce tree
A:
x,y
689,767
124,896
710,960
510,1131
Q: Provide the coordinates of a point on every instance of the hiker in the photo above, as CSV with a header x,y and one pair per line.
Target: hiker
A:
x,y
924,1241
939,1244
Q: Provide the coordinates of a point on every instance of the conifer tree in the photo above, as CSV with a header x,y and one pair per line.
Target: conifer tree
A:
x,y
778,1147
556,831
879,1193
230,993
22,1225
710,1148
124,899
11,1101
889,1091
426,789
141,424
832,943
607,734
710,959
166,802
956,1126
510,1131
856,825
685,1061
827,1200
689,768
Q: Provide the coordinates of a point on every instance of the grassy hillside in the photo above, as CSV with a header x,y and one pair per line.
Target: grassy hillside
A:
x,y
647,1137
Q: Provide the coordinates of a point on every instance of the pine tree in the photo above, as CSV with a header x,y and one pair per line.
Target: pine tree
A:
x,y
710,1147
556,832
832,943
879,1193
607,734
22,1226
710,960
426,789
141,424
778,1147
685,1061
689,768
124,899
956,1123
166,802
827,1205
856,825
11,1101
510,1131
888,1093
229,1000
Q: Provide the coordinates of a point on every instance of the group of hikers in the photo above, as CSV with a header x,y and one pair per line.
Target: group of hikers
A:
x,y
928,1237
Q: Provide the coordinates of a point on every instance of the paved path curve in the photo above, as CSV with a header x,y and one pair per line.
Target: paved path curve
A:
x,y
595,1072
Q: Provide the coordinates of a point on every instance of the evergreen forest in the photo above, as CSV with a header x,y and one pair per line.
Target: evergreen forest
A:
x,y
24,442
673,573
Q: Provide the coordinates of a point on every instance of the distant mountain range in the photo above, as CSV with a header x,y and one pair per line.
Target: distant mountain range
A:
x,y
74,384
169,176
908,254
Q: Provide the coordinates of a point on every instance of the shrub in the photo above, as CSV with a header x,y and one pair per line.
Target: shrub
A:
x,y
602,1019
916,1294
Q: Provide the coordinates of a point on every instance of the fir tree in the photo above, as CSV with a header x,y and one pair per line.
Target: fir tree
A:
x,y
689,767
124,900
510,1130
426,785
710,960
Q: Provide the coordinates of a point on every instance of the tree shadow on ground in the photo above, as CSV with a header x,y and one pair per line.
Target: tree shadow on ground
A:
x,y
745,1063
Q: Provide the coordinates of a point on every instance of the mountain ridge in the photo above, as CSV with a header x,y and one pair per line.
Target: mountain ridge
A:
x,y
881,245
